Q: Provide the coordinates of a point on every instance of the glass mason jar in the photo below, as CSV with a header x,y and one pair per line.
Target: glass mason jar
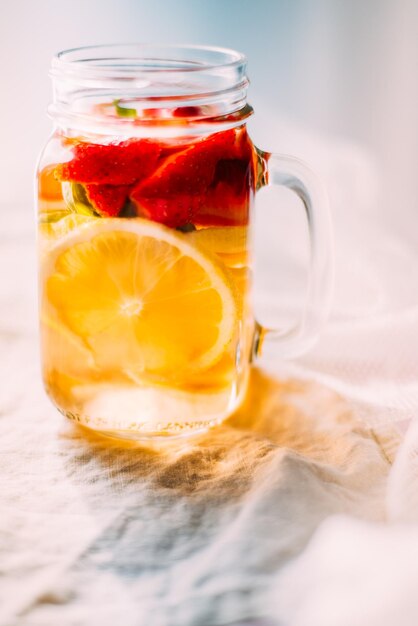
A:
x,y
145,196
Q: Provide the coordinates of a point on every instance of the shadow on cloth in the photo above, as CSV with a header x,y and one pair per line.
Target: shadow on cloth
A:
x,y
280,421
191,533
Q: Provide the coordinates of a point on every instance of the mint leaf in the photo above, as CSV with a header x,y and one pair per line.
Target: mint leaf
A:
x,y
124,111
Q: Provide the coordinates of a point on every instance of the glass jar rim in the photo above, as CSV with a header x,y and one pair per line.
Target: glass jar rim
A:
x,y
207,79
132,60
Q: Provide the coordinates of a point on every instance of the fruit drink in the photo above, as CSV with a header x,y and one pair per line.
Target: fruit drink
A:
x,y
146,323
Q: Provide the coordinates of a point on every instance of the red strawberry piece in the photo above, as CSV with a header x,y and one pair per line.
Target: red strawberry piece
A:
x,y
108,200
168,149
229,197
174,213
110,164
224,208
228,200
208,183
188,111
175,192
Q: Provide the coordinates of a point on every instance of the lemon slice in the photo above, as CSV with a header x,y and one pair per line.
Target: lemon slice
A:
x,y
140,296
222,238
229,243
52,230
63,225
65,352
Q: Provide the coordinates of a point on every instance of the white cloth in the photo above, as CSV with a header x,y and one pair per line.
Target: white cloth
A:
x,y
298,510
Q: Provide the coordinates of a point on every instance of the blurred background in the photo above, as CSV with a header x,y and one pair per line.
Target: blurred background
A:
x,y
322,71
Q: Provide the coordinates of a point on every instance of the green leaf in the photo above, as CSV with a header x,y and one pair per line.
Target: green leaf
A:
x,y
124,111
75,198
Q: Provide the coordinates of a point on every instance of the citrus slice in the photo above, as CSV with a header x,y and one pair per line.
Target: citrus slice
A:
x,y
229,243
65,351
141,297
62,225
50,230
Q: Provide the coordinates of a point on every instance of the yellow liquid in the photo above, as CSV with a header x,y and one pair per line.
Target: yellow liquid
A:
x,y
146,330
99,388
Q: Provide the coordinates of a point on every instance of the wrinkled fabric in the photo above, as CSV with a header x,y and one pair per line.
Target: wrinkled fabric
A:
x,y
192,533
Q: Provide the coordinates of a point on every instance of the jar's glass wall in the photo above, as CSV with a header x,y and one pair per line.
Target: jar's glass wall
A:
x,y
145,272
145,192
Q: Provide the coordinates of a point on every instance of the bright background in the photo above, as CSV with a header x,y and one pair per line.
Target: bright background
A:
x,y
343,69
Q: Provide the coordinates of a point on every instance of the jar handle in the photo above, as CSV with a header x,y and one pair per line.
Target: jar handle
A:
x,y
292,173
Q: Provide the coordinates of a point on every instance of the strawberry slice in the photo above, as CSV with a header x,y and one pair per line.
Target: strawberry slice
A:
x,y
174,192
199,184
108,200
228,199
110,164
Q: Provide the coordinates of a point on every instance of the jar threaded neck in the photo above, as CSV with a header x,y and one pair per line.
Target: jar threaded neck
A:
x,y
125,89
